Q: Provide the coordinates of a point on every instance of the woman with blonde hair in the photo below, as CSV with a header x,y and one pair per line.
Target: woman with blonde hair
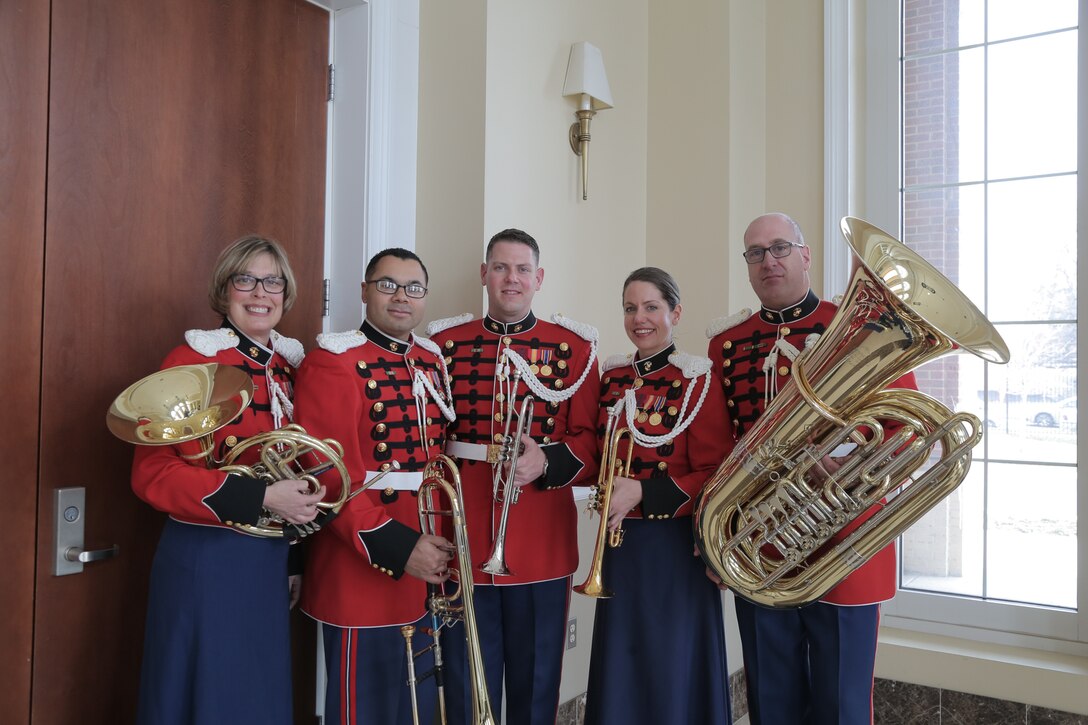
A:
x,y
217,644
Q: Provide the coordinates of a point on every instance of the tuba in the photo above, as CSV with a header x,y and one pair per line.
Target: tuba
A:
x,y
441,475
772,523
611,466
185,405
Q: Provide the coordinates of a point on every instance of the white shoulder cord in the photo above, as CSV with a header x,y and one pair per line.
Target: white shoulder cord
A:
x,y
282,407
421,385
649,441
552,396
770,367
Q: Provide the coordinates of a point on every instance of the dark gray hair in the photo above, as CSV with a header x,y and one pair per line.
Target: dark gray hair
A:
x,y
666,285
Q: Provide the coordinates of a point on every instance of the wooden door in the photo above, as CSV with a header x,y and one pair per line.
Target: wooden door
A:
x,y
24,84
174,127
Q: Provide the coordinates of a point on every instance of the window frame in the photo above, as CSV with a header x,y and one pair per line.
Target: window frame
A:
x,y
862,119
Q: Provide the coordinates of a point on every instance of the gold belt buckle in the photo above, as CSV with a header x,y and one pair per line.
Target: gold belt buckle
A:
x,y
494,453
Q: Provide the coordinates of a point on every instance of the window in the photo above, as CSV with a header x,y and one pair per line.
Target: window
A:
x,y
984,186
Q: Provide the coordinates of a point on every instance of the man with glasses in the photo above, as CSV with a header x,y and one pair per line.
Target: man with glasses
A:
x,y
384,394
813,664
494,363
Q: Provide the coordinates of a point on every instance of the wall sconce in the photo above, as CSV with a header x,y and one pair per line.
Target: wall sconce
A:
x,y
585,78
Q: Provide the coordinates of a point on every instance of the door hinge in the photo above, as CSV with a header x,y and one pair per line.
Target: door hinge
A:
x,y
332,82
326,286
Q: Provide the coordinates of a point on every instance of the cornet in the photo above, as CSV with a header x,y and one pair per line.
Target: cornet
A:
x,y
611,466
503,487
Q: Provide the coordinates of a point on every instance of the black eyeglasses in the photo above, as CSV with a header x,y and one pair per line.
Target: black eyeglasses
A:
x,y
778,250
247,283
389,287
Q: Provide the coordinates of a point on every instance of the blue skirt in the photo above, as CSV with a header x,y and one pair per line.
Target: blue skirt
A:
x,y
217,643
659,643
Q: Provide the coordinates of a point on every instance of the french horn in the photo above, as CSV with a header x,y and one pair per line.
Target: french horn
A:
x,y
772,523
184,405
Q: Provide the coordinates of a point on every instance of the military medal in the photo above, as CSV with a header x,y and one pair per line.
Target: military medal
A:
x,y
532,361
655,403
642,416
545,358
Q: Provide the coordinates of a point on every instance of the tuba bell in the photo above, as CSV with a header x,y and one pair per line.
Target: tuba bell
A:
x,y
184,405
767,519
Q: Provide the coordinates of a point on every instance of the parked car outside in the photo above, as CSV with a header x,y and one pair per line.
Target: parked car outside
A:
x,y
1068,414
1048,414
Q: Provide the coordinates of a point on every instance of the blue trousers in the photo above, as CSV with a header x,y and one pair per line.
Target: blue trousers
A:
x,y
809,666
659,644
368,676
217,642
522,632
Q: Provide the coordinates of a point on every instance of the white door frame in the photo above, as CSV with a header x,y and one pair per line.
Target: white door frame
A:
x,y
370,200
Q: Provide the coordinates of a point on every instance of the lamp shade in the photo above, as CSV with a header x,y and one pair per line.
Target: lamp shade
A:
x,y
585,75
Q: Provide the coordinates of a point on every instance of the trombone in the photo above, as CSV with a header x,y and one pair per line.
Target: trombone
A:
x,y
503,487
611,466
440,474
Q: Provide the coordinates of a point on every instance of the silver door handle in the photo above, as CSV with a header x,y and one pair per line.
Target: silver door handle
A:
x,y
69,556
74,553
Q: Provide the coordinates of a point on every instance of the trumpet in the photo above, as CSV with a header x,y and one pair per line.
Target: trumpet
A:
x,y
503,487
611,466
185,405
440,474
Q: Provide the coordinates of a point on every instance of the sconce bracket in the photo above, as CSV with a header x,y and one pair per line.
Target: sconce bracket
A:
x,y
575,145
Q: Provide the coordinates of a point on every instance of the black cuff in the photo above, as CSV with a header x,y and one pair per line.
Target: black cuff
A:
x,y
563,467
240,500
296,558
389,546
661,498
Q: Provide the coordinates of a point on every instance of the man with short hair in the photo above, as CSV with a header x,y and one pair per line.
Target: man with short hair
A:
x,y
494,363
813,664
383,393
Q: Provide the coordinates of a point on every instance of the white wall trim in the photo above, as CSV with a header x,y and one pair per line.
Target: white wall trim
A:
x,y
838,156
371,199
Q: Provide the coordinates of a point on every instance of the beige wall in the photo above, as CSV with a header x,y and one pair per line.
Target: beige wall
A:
x,y
450,163
494,152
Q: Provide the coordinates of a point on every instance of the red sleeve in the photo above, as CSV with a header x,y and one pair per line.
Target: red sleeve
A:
x,y
192,491
709,440
328,404
579,461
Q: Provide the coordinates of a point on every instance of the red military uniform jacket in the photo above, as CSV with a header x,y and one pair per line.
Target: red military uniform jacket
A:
x,y
753,358
192,492
541,541
682,428
365,390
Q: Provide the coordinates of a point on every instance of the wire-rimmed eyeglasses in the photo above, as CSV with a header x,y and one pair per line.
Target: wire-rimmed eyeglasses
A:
x,y
272,284
778,250
388,287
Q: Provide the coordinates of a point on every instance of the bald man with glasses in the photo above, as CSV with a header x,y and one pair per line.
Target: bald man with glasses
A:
x,y
813,664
